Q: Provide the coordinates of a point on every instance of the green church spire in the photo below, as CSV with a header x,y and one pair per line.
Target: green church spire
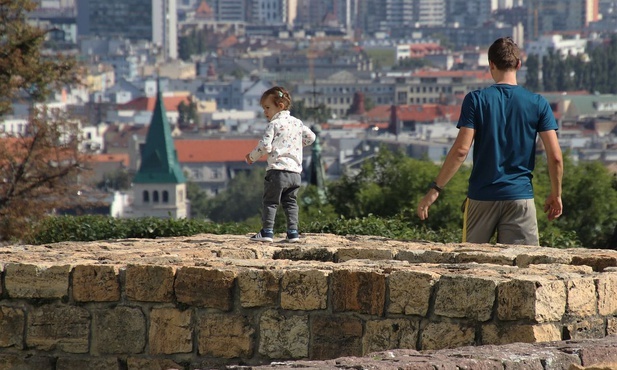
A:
x,y
159,160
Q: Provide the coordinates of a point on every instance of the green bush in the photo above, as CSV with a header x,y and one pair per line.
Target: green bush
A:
x,y
91,228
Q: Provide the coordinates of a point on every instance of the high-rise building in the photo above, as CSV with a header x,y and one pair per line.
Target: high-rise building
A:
x,y
230,10
267,12
399,17
546,16
470,13
153,20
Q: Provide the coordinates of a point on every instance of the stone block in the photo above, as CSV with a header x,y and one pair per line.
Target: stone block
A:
x,y
25,361
598,354
91,363
360,291
505,333
346,254
133,363
95,283
611,326
425,256
283,337
581,297
205,287
335,336
531,297
258,288
149,283
36,281
597,262
439,335
304,290
485,257
58,327
225,335
606,285
12,325
584,328
170,331
461,296
390,334
120,330
410,292
541,258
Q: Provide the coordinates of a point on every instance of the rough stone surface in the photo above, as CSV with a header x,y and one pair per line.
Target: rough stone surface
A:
x,y
120,330
12,321
283,336
170,331
205,287
65,328
258,288
304,290
95,284
149,283
217,301
410,291
226,336
36,281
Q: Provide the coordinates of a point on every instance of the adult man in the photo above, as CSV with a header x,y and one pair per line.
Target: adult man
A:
x,y
504,121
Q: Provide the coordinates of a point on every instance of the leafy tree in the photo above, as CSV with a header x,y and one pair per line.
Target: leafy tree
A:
x,y
392,184
532,78
120,179
549,71
316,114
187,113
240,200
198,199
589,202
39,170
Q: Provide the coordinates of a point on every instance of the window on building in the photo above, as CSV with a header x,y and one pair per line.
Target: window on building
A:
x,y
155,196
165,196
146,196
180,196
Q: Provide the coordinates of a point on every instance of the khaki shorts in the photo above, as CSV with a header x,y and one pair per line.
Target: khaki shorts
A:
x,y
514,221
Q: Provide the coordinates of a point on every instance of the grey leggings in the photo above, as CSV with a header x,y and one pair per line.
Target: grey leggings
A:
x,y
280,187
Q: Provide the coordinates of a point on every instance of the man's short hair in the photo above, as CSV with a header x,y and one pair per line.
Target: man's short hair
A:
x,y
504,53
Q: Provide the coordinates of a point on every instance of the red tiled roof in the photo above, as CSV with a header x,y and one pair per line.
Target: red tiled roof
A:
x,y
199,151
110,158
483,75
204,10
228,42
416,112
147,104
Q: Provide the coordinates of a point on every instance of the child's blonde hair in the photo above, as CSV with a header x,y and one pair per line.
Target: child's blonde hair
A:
x,y
279,96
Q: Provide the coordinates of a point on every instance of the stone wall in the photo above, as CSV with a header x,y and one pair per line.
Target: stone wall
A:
x,y
209,301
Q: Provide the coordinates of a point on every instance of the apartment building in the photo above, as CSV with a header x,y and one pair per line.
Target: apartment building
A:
x,y
438,86
152,20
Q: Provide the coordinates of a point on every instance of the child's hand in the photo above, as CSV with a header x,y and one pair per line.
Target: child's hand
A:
x,y
248,159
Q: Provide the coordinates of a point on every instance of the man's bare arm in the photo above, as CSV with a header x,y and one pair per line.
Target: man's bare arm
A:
x,y
554,158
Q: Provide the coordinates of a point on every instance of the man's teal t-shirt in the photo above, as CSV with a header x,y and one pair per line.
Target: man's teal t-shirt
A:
x,y
506,120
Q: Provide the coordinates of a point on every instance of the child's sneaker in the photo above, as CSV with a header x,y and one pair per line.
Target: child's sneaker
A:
x,y
263,236
292,236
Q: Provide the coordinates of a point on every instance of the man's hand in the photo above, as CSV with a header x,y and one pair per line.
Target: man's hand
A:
x,y
553,207
426,203
248,159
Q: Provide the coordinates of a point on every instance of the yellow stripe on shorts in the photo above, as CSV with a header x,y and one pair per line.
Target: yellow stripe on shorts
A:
x,y
465,220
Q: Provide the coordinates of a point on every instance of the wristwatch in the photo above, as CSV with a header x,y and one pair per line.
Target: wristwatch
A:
x,y
433,185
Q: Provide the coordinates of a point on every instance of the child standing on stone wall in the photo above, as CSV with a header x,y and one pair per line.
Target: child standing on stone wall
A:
x,y
283,141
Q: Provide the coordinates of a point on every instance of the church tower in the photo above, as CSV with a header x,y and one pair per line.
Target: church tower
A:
x,y
159,187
